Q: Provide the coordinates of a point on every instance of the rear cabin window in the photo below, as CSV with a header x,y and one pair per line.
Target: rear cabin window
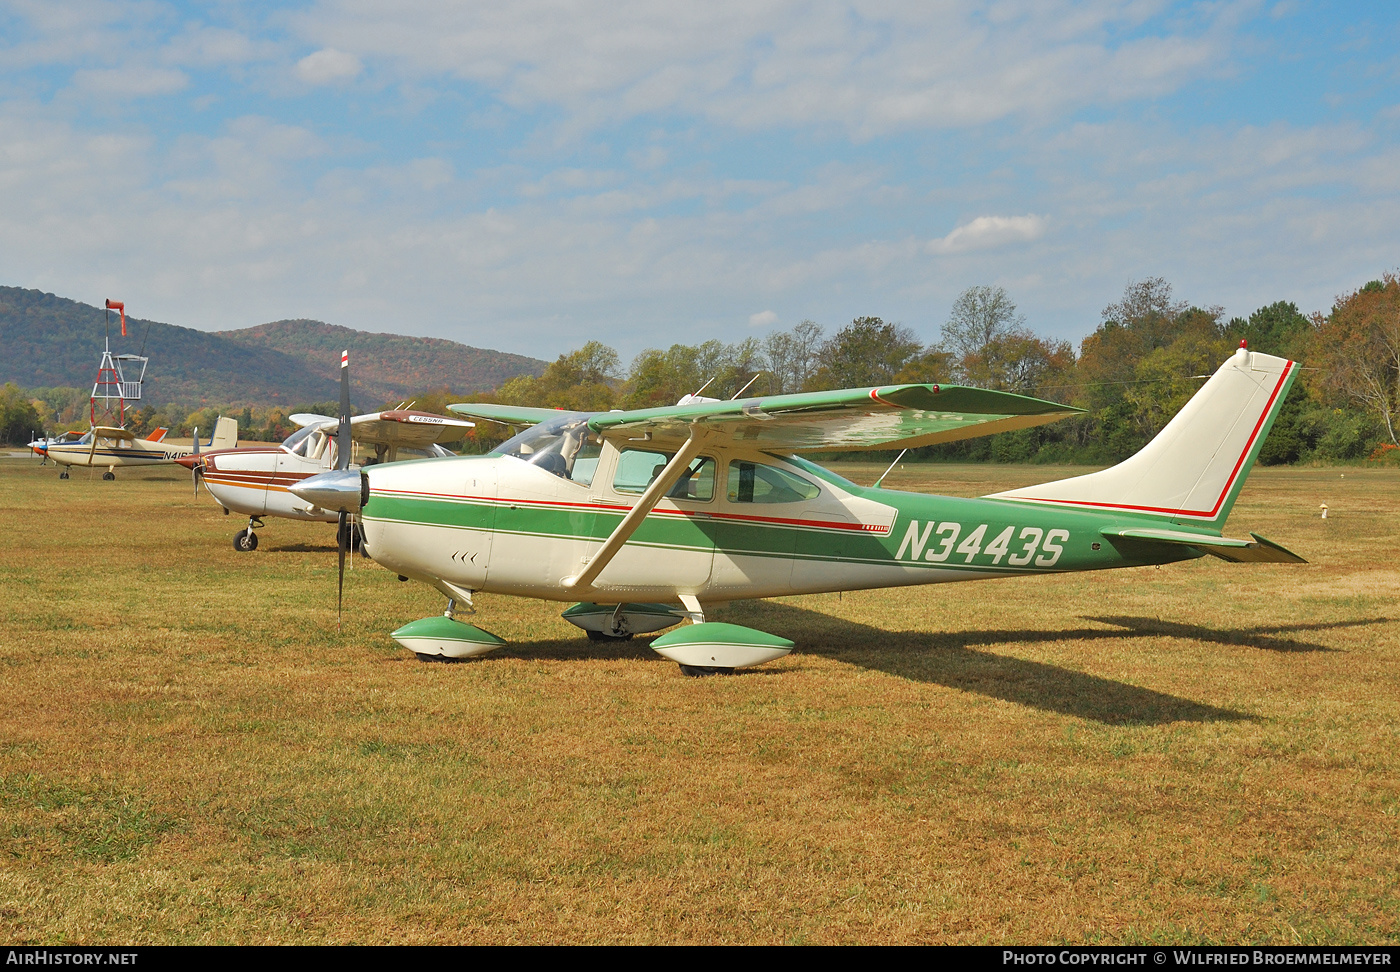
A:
x,y
753,482
636,468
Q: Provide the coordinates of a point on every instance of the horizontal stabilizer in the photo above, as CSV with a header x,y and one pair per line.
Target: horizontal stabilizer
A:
x,y
1257,551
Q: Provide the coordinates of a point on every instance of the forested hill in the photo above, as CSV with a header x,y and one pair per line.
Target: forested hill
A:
x,y
392,363
48,341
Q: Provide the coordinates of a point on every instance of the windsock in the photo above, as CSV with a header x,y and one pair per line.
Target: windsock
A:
x,y
118,305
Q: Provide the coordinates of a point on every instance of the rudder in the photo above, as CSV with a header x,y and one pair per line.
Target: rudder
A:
x,y
225,434
1193,469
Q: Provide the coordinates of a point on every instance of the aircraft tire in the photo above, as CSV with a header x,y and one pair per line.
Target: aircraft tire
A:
x,y
109,476
356,537
245,540
604,636
63,475
704,671
424,657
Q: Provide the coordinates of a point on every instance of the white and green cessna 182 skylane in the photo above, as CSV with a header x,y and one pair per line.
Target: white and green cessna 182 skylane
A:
x,y
646,516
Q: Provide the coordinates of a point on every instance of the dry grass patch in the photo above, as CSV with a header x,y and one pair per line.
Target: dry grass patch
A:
x,y
192,753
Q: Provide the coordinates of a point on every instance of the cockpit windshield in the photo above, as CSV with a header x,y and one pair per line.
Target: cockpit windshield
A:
x,y
563,446
310,443
291,442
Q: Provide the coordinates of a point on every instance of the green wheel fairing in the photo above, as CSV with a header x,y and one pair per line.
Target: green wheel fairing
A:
x,y
445,637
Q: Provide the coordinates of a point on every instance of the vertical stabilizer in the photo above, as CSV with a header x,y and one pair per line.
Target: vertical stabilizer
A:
x,y
225,434
1192,471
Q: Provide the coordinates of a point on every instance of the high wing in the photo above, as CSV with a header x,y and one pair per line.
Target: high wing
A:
x,y
303,419
405,429
111,432
506,414
396,428
852,419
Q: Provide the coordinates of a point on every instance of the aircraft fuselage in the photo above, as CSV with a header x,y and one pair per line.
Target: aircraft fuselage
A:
x,y
256,482
500,525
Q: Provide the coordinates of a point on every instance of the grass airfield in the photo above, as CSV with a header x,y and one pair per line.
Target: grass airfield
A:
x,y
191,752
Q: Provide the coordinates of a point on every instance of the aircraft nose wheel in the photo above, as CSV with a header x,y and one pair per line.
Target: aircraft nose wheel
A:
x,y
63,475
245,540
109,476
356,537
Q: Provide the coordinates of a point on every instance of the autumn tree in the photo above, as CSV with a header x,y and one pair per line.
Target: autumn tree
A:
x,y
980,316
19,420
790,357
1131,328
1280,328
1358,347
1018,362
580,381
868,351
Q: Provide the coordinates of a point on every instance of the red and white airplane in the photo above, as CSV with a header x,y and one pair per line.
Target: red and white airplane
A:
x,y
256,480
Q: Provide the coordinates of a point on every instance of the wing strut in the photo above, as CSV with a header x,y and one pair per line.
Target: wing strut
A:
x,y
659,487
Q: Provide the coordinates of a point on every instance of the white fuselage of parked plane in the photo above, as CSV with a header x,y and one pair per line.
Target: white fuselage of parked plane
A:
x,y
110,451
256,482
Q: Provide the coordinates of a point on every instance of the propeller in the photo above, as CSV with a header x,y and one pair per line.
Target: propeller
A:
x,y
342,462
197,469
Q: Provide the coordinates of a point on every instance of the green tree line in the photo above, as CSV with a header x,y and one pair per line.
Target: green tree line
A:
x,y
1149,353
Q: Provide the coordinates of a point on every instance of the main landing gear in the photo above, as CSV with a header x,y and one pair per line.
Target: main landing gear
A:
x,y
246,540
700,648
108,476
63,473
444,638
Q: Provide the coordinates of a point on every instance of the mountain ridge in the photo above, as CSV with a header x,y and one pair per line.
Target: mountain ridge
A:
x,y
47,341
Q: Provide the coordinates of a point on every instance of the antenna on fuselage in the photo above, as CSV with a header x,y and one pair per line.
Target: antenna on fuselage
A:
x,y
877,482
746,385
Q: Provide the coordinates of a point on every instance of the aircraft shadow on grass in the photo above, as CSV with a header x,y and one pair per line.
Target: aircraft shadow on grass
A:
x,y
952,659
325,548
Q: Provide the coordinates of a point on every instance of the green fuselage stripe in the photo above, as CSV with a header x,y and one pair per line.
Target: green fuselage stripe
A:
x,y
947,533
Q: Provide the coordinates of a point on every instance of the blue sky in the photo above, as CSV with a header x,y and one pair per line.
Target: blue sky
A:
x,y
532,175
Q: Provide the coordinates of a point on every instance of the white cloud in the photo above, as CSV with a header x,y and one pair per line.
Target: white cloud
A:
x,y
328,66
986,232
223,232
200,46
870,68
134,81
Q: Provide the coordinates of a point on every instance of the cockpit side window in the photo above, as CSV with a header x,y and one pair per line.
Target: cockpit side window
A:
x,y
754,482
637,468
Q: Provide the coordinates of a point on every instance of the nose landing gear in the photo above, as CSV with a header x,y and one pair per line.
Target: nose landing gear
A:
x,y
246,540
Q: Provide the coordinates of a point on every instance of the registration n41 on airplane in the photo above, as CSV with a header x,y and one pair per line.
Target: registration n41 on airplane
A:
x,y
644,517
